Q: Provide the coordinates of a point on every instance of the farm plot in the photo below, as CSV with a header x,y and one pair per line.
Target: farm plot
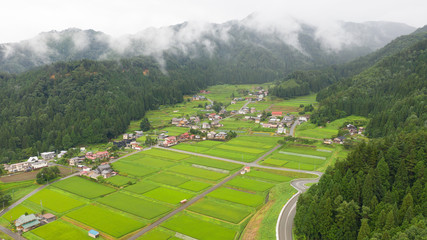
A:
x,y
168,195
147,160
239,156
16,212
120,180
168,179
268,176
249,184
197,172
198,229
133,169
155,234
240,148
60,230
194,186
166,154
191,147
141,187
274,162
237,125
214,163
221,211
312,131
55,201
174,131
295,157
248,199
104,220
134,205
83,187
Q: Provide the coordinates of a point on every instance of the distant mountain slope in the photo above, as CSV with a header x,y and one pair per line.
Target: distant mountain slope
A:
x,y
284,46
393,92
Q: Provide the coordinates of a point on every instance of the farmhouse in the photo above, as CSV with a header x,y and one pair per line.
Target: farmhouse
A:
x,y
18,167
61,154
327,141
339,140
127,136
206,126
281,130
27,222
98,155
139,134
169,141
302,119
75,161
275,114
104,170
47,155
39,164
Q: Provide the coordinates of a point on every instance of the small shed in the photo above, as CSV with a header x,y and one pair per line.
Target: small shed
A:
x,y
49,217
183,201
94,234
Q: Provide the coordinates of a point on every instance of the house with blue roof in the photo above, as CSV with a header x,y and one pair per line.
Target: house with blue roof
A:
x,y
27,222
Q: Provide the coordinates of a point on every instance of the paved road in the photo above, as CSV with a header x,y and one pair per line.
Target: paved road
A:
x,y
292,130
182,207
285,221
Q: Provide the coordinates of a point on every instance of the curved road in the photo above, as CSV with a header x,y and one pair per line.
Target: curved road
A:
x,y
285,221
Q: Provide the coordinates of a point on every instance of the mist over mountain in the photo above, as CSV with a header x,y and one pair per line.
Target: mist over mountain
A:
x,y
286,44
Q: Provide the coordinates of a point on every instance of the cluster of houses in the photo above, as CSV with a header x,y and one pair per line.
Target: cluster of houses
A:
x,y
129,141
33,163
354,130
103,170
167,141
216,136
246,110
194,122
199,98
28,222
259,94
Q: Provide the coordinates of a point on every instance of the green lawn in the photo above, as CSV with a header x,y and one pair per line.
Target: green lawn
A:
x,y
104,220
249,184
134,205
198,229
83,187
168,195
197,172
60,230
248,199
221,211
55,201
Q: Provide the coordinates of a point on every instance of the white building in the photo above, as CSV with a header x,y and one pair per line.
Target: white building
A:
x,y
48,155
33,159
39,164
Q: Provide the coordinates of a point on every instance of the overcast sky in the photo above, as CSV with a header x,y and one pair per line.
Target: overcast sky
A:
x,y
24,19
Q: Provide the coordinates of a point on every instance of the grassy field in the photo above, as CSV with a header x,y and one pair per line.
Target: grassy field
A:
x,y
168,195
16,212
235,196
168,179
141,187
119,180
292,105
198,229
133,169
155,234
310,130
194,186
174,131
249,184
198,172
165,154
143,159
220,210
214,163
83,187
134,205
101,219
268,176
55,201
60,230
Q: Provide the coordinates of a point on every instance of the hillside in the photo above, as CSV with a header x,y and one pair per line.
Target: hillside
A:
x,y
315,80
279,47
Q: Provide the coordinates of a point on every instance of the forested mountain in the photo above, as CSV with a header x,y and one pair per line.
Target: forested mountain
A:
x,y
65,104
281,47
393,93
315,80
379,192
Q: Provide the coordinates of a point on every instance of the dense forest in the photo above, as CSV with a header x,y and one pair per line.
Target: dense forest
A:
x,y
66,104
379,192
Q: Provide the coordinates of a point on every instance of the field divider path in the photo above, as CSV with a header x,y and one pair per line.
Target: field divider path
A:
x,y
183,206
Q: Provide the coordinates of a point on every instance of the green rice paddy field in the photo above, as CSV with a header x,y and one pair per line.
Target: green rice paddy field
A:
x,y
83,187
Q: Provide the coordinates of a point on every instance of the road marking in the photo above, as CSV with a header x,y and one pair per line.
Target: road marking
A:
x,y
283,210
287,218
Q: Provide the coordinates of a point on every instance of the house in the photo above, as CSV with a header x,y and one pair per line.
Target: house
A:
x,y
27,222
105,170
61,154
327,141
253,109
221,136
18,167
266,125
185,136
339,140
211,135
82,149
162,136
93,234
206,126
48,155
48,217
275,114
139,134
39,164
75,161
245,170
281,130
216,123
127,136
257,119
302,119
98,155
33,159
169,141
